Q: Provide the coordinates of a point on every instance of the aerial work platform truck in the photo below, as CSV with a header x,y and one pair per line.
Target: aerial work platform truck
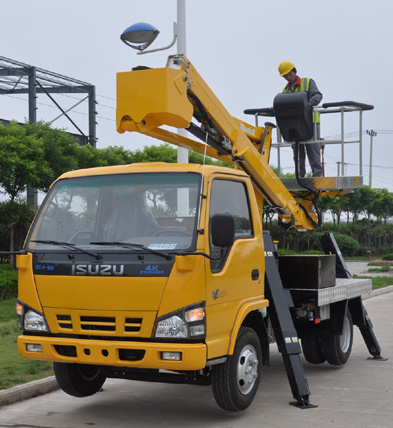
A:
x,y
162,272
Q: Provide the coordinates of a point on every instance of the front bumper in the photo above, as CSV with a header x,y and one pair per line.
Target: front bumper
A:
x,y
144,355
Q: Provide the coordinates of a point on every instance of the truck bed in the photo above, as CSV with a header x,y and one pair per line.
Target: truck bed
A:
x,y
343,290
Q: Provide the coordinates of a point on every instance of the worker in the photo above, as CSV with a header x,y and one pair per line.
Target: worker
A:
x,y
295,84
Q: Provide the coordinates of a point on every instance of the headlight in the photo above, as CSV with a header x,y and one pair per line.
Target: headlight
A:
x,y
186,323
34,321
172,327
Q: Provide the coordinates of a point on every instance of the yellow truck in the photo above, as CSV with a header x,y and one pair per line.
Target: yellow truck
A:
x,y
162,272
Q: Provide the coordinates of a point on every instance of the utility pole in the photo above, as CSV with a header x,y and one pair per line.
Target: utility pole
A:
x,y
371,134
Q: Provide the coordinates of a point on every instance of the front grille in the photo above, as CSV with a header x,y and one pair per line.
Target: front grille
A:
x,y
78,324
98,323
64,321
133,324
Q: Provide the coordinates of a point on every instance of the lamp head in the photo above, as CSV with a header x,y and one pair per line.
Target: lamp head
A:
x,y
139,36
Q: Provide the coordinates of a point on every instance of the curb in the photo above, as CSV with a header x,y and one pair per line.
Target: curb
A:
x,y
378,292
28,390
49,384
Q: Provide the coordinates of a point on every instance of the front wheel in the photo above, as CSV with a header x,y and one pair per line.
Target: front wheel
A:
x,y
79,380
338,347
236,381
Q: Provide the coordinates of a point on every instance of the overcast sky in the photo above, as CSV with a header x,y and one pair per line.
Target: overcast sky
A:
x,y
344,45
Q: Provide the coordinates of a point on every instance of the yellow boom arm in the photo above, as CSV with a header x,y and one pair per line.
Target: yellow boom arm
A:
x,y
150,98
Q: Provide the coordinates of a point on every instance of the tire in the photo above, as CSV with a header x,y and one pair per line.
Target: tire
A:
x,y
338,347
79,380
236,381
312,349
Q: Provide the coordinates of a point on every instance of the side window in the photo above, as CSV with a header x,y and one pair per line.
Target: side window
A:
x,y
229,197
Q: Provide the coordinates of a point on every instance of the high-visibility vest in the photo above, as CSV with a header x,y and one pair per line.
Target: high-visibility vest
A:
x,y
303,88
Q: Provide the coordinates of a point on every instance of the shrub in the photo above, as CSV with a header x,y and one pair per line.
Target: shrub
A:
x,y
388,257
8,282
285,252
347,245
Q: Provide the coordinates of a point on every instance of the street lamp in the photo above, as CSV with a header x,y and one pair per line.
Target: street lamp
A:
x,y
141,35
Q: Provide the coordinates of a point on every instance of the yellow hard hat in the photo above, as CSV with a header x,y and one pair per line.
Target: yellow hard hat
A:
x,y
285,67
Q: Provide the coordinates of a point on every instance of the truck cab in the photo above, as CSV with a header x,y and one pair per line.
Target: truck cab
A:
x,y
125,276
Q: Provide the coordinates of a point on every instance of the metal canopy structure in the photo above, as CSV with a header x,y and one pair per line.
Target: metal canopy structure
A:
x,y
19,78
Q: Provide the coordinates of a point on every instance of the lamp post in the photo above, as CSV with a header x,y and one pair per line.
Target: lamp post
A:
x,y
371,134
182,153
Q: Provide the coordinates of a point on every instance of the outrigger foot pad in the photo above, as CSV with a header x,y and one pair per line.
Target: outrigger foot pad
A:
x,y
302,403
378,358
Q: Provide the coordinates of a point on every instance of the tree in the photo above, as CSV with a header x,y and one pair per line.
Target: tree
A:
x,y
383,205
61,150
15,220
115,155
346,205
22,160
355,204
332,205
367,200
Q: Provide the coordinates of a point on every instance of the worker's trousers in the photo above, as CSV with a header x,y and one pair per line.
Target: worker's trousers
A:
x,y
314,158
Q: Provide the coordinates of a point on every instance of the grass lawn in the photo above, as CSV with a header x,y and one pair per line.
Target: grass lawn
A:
x,y
378,282
14,369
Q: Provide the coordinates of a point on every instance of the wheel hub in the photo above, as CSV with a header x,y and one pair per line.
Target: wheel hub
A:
x,y
345,338
247,369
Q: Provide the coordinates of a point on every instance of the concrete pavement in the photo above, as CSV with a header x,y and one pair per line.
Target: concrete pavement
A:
x,y
362,268
358,394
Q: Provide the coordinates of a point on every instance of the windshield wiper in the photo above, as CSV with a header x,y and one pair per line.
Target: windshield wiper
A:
x,y
131,245
68,245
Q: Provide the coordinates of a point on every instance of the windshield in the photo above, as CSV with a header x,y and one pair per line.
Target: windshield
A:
x,y
154,210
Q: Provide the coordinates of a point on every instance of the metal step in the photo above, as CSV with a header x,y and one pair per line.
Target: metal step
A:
x,y
345,184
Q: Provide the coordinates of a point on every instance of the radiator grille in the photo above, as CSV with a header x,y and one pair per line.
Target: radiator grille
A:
x,y
64,321
133,324
98,323
84,323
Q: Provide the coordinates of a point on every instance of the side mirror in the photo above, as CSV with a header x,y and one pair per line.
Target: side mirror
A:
x,y
223,230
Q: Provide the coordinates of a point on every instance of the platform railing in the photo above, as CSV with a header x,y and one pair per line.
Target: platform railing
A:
x,y
340,107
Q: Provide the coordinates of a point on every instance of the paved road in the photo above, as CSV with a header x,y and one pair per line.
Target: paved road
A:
x,y
359,394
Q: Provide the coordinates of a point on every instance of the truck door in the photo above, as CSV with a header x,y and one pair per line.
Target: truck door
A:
x,y
237,273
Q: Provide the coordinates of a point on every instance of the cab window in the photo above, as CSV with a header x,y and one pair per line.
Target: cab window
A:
x,y
229,197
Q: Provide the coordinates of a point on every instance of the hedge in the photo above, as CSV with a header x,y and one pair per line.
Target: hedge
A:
x,y
8,282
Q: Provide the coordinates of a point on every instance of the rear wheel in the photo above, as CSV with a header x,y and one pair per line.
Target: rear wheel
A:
x,y
79,380
312,349
236,381
338,347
